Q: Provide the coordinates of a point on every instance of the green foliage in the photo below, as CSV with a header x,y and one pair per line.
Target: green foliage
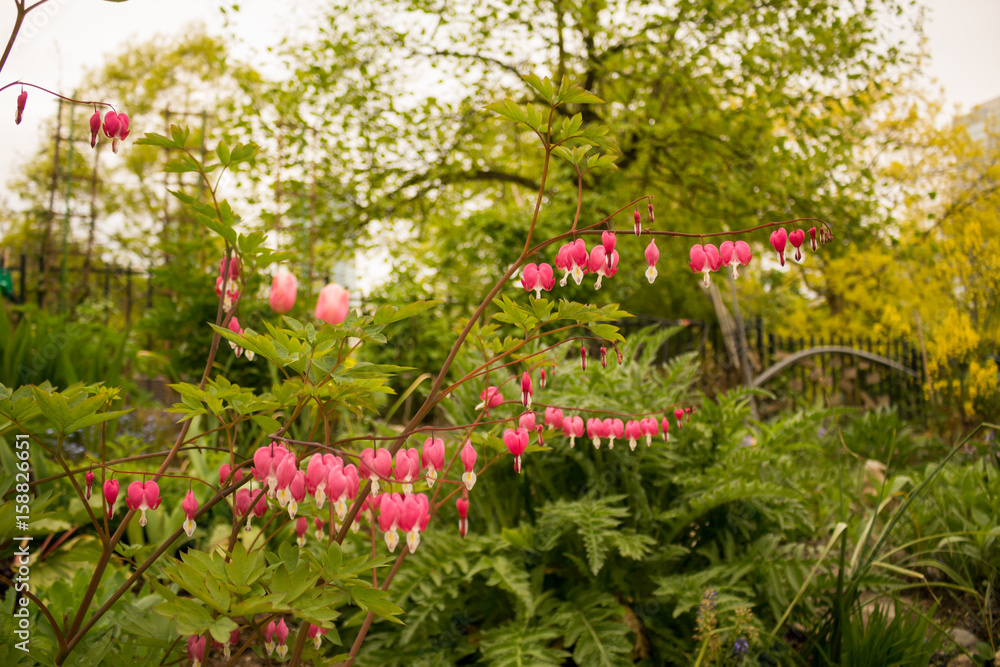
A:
x,y
594,629
597,524
40,347
890,639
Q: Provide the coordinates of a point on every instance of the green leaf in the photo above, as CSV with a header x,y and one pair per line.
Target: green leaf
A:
x,y
151,138
592,624
223,152
98,418
55,408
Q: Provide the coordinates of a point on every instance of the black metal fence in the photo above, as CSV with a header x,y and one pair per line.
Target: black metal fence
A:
x,y
122,288
827,378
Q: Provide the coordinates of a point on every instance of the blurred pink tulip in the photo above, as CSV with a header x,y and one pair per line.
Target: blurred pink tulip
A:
x,y
333,304
283,290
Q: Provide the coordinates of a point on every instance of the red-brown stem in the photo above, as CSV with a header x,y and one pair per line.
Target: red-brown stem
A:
x,y
55,94
371,616
75,638
18,20
579,198
127,459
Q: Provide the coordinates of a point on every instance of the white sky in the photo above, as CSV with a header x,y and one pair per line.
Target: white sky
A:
x,y
65,37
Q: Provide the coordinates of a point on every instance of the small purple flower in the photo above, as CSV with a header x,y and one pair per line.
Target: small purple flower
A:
x,y
740,647
822,431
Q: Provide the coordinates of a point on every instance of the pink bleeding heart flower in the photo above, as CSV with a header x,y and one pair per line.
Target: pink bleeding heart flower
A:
x,y
232,292
743,253
812,237
537,277
407,468
614,428
797,238
376,465
316,474
573,428
413,519
652,257
269,631
700,264
301,527
234,268
778,239
541,379
111,495
123,129
638,222
390,511
516,442
190,507
573,259
602,263
143,496
318,524
679,415
713,257
89,477
234,326
232,640
649,428
111,124
553,417
633,431
297,490
727,253
489,398
649,208
336,484
333,304
604,357
608,241
265,465
113,128
469,461
196,649
316,633
432,458
527,421
735,254
665,425
285,473
284,287
22,99
526,390
463,516
243,499
583,358
281,634
595,431
225,470
95,127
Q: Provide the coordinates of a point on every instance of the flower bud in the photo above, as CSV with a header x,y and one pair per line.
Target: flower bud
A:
x,y
19,111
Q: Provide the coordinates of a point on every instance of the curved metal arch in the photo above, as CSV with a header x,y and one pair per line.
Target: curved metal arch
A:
x,y
830,349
